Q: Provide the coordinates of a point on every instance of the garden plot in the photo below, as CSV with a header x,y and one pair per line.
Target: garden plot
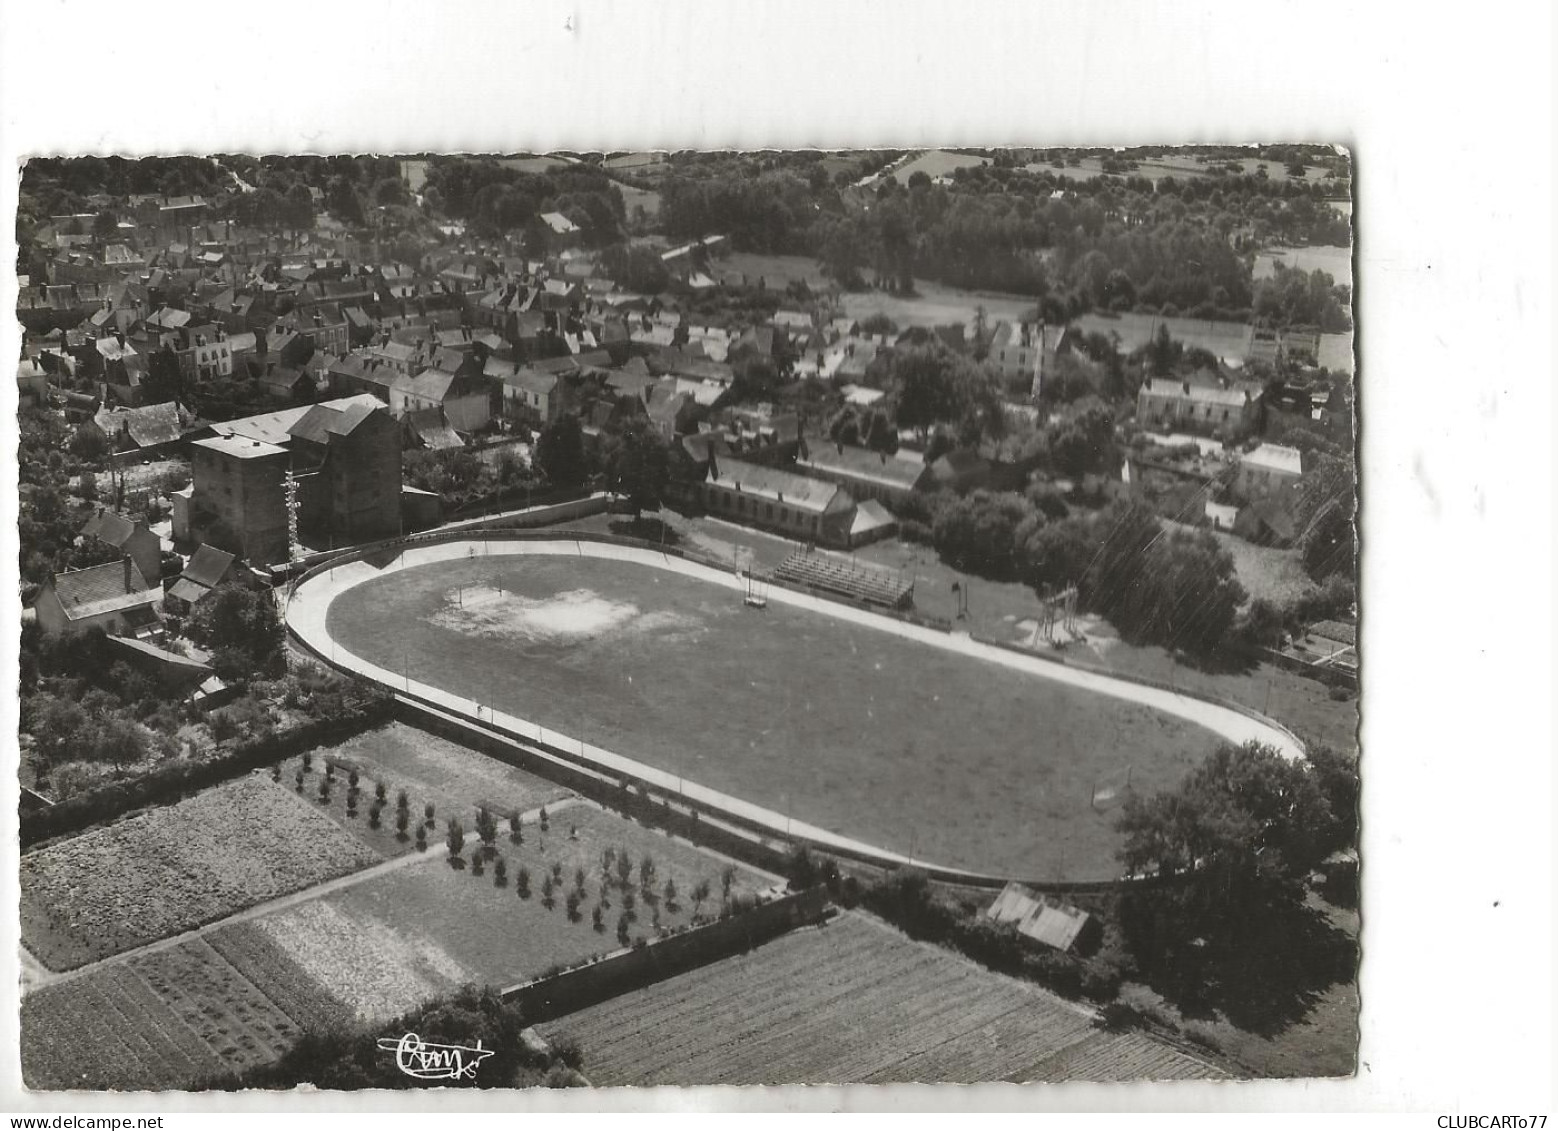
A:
x,y
176,868
398,939
851,1002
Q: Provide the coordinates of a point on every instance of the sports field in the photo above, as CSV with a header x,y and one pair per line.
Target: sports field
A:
x,y
938,756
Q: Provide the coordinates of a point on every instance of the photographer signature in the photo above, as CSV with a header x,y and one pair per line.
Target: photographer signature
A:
x,y
426,1061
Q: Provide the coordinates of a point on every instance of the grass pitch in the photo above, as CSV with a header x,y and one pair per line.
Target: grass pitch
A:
x,y
915,749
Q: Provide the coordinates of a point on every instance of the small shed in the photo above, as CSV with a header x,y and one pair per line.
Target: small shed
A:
x,y
1046,920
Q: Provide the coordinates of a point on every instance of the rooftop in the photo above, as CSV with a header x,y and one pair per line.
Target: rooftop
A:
x,y
770,483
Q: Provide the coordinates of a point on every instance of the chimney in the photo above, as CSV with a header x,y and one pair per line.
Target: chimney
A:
x,y
127,575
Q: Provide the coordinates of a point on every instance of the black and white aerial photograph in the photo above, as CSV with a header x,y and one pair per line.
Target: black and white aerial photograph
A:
x,y
688,618
890,558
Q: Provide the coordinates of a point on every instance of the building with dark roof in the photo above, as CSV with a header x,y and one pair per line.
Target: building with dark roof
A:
x,y
115,597
867,474
208,567
768,498
131,537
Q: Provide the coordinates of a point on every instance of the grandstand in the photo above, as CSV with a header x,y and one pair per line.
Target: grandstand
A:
x,y
847,578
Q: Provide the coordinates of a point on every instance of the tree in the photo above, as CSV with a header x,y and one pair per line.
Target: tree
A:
x,y
427,813
402,802
105,226
624,870
402,822
572,905
486,828
548,893
700,893
516,831
522,883
559,451
646,874
243,625
598,918
670,894
455,838
638,466
1245,816
1163,352
727,878
500,872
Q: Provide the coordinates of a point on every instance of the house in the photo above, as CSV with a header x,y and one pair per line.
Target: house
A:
x,y
1044,919
1170,404
868,474
1016,351
32,382
768,498
464,397
1271,469
131,537
564,231
208,567
673,413
531,394
151,431
115,597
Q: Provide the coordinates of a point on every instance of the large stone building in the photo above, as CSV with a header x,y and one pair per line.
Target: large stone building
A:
x,y
345,456
1166,403
766,497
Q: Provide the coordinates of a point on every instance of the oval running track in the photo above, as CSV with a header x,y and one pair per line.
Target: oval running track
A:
x,y
308,611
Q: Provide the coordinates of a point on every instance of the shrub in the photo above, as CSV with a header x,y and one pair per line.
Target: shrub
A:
x,y
544,823
427,813
374,816
623,928
516,832
402,802
353,778
421,838
299,779
522,883
379,792
308,761
572,903
455,838
476,863
402,820
548,893
500,872
598,918
670,895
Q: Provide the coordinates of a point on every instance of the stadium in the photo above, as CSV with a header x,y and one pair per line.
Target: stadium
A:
x,y
819,718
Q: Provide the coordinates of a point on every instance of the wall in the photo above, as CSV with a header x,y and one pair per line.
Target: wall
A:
x,y
629,970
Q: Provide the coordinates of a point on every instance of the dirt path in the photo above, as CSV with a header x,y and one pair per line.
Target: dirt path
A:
x,y
35,975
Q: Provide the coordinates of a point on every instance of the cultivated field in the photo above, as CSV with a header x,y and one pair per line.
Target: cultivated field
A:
x,y
385,945
175,868
162,1020
906,746
851,1002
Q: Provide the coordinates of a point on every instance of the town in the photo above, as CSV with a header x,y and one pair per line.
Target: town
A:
x,y
887,558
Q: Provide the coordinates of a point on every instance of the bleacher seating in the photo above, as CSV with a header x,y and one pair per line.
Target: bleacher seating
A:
x,y
849,579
